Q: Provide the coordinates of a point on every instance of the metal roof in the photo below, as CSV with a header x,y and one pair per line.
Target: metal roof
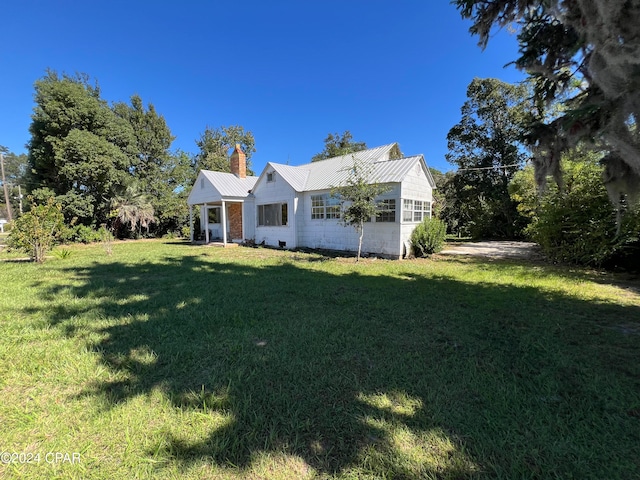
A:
x,y
220,186
294,176
228,185
322,175
334,172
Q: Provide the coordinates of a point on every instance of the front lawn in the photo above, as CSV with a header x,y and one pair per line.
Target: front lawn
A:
x,y
166,360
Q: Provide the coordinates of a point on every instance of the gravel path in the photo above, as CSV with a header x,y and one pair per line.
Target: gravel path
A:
x,y
520,250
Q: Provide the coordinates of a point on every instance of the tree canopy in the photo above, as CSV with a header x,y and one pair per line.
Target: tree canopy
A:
x,y
80,150
86,154
485,146
215,143
585,54
158,173
336,145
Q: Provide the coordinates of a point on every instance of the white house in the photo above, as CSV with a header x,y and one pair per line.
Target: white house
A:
x,y
292,206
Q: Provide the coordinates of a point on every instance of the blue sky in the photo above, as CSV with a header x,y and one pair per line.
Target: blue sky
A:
x,y
289,71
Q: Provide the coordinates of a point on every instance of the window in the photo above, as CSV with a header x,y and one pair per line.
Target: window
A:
x,y
271,177
386,210
325,206
415,210
214,215
273,215
201,183
407,211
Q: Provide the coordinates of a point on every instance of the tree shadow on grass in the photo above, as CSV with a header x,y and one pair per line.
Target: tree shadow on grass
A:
x,y
406,376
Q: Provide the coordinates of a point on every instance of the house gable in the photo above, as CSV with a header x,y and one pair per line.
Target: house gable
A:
x,y
202,190
276,173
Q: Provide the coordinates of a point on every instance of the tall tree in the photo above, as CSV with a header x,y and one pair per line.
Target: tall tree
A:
x,y
485,146
15,166
584,53
153,137
214,145
5,187
338,145
158,173
79,151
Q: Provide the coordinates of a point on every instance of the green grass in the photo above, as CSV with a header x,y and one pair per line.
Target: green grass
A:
x,y
165,360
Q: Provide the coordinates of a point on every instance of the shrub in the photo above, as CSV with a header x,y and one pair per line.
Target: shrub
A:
x,y
185,231
87,234
428,237
36,231
79,234
577,224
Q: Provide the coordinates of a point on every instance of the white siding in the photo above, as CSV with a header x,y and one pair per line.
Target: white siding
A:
x,y
202,191
277,191
415,186
379,237
249,218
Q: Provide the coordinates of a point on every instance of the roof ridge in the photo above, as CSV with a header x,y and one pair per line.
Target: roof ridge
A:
x,y
381,147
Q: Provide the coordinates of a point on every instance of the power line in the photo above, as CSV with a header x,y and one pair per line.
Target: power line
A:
x,y
488,168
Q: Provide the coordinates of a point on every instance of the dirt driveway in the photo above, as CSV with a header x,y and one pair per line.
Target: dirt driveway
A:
x,y
517,250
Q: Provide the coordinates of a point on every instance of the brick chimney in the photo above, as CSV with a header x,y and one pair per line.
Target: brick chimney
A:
x,y
238,162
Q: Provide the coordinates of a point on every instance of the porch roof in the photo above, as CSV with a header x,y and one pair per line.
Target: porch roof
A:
x,y
213,187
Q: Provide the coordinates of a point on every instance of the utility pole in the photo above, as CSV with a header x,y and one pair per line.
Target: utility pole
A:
x,y
6,190
20,197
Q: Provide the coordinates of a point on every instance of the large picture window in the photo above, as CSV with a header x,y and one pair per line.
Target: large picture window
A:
x,y
386,210
415,210
273,215
325,206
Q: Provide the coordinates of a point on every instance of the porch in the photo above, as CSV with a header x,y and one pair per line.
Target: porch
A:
x,y
220,223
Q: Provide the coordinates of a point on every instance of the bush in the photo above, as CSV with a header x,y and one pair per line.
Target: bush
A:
x,y
36,231
577,224
428,237
79,234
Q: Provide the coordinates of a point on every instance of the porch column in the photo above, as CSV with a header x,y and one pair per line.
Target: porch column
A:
x,y
191,222
206,224
243,229
224,223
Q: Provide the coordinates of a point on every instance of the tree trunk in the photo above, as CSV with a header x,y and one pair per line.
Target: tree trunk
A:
x,y
360,241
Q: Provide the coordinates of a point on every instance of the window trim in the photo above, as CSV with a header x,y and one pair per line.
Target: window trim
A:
x,y
325,206
411,214
386,210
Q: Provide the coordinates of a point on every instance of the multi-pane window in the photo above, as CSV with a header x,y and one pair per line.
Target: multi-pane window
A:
x,y
415,210
272,215
386,210
325,206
